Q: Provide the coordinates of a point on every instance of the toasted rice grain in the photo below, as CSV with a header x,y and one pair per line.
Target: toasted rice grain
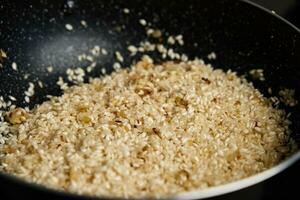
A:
x,y
14,66
143,22
69,27
151,130
257,74
84,23
126,10
287,96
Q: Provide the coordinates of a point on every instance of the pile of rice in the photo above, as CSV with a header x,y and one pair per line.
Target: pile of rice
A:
x,y
152,130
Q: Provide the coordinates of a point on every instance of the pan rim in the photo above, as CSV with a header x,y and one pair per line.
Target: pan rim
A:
x,y
272,12
195,194
239,184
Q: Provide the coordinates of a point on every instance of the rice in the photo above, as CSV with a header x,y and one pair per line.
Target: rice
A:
x,y
152,130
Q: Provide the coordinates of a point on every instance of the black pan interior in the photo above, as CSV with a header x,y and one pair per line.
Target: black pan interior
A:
x,y
33,35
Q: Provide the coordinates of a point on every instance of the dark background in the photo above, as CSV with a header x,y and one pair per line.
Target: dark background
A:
x,y
286,184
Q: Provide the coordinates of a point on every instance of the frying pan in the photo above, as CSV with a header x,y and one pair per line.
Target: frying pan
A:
x,y
243,35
